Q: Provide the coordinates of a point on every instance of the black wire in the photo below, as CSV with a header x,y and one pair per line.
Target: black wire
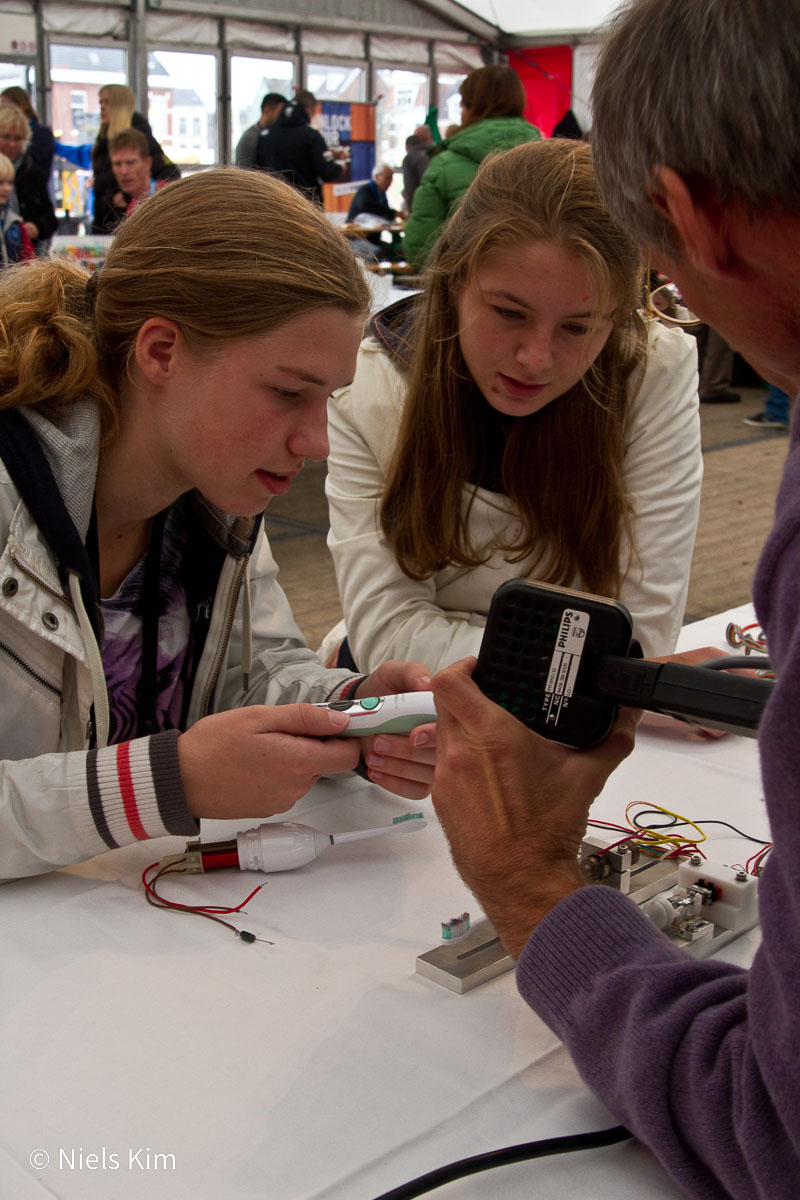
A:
x,y
503,1158
675,824
736,662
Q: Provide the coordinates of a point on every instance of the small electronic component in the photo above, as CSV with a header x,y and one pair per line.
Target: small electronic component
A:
x,y
697,903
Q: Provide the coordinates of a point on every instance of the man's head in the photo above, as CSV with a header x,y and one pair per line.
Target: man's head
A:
x,y
271,107
707,87
383,175
131,162
423,132
696,137
306,100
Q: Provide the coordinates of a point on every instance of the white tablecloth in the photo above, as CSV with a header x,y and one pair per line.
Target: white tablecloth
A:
x,y
192,1065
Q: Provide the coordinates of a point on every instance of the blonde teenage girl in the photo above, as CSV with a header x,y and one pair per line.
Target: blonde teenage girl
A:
x,y
149,414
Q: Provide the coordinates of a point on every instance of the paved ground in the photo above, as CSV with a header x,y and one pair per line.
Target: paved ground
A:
x,y
742,470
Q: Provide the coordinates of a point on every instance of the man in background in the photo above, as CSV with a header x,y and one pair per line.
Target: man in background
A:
x,y
371,200
298,152
696,138
415,162
271,107
132,164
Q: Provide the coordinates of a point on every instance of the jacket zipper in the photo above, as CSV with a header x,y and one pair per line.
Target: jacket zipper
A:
x,y
37,579
30,671
223,647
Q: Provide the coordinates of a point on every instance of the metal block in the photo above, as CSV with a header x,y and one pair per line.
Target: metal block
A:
x,y
469,961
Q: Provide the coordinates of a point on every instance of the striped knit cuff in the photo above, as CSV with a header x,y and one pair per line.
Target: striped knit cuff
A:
x,y
350,687
136,792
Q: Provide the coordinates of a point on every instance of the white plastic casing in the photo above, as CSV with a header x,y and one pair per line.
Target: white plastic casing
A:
x,y
737,906
398,713
273,847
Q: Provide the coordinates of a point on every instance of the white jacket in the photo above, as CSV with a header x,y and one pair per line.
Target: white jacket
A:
x,y
441,619
61,802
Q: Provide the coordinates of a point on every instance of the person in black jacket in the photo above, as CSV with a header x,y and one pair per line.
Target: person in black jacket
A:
x,y
117,113
371,199
298,152
32,201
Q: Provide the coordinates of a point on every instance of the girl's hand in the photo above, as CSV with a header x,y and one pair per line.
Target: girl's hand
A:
x,y
258,761
400,763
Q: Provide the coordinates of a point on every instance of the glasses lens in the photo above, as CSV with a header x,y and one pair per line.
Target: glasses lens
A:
x,y
667,303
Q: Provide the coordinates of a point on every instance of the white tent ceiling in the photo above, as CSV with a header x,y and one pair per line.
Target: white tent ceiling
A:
x,y
543,18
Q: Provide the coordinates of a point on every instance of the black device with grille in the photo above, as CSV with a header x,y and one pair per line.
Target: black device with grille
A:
x,y
563,662
537,642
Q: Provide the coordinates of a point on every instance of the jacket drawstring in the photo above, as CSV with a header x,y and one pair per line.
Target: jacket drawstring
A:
x,y
95,661
247,628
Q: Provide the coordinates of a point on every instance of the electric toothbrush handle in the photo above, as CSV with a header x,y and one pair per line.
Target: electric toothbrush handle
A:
x,y
280,847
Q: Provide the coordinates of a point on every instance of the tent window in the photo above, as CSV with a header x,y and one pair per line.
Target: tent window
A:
x,y
402,106
336,81
182,105
251,79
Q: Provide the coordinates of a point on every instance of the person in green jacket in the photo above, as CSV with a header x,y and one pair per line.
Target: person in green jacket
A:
x,y
492,103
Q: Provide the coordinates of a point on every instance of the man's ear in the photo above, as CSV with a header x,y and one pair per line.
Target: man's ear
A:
x,y
699,223
158,344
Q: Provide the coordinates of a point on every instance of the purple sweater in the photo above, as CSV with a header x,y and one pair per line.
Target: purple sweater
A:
x,y
700,1059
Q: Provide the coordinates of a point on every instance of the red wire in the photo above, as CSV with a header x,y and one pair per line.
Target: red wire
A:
x,y
210,908
611,825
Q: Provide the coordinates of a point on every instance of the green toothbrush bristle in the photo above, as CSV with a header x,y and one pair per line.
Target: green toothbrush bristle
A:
x,y
407,817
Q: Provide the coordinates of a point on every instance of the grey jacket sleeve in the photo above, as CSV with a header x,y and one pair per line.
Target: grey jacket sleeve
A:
x,y
245,154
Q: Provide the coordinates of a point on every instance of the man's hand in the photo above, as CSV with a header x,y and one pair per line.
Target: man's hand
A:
x,y
400,763
514,805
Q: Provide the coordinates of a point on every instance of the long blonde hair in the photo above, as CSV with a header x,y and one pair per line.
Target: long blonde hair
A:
x,y
562,467
121,106
224,253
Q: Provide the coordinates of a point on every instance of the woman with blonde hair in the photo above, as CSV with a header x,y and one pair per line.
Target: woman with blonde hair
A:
x,y
118,112
30,196
149,414
518,419
492,103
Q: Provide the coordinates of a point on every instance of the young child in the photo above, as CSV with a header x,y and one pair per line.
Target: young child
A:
x,y
15,245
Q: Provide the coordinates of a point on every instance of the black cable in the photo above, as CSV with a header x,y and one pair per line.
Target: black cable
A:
x,y
674,824
503,1158
737,662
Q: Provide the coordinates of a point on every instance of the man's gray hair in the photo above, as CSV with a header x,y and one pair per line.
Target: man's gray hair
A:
x,y
379,168
707,87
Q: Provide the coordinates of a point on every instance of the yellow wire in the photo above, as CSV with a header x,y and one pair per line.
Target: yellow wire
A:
x,y
654,837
